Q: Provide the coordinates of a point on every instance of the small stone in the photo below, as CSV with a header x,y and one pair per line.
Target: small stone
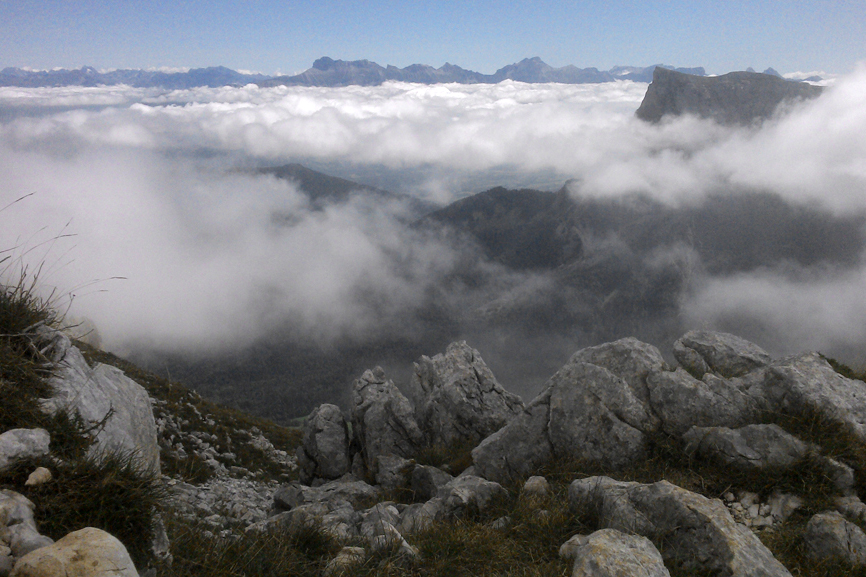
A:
x,y
536,486
747,499
729,497
38,477
754,511
501,523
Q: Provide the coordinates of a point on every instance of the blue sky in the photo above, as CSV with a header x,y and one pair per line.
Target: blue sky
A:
x,y
286,36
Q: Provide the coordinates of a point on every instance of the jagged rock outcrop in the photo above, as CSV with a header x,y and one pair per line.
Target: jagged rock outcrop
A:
x,y
611,553
324,452
117,407
383,420
697,532
585,412
735,98
462,401
88,552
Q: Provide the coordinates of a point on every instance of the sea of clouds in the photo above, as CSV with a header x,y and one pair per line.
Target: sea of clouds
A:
x,y
151,186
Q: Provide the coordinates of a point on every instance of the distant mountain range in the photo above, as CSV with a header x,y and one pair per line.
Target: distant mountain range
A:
x,y
329,72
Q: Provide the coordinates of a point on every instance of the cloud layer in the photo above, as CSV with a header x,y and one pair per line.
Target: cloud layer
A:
x,y
145,181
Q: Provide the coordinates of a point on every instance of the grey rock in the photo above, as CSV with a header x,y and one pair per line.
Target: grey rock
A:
x,y
752,446
830,536
610,553
462,402
374,519
725,354
418,516
426,481
851,507
629,359
584,412
18,444
595,416
17,525
383,420
501,523
469,493
520,447
105,397
393,472
355,493
783,505
697,532
345,561
324,452
6,562
682,401
807,384
536,486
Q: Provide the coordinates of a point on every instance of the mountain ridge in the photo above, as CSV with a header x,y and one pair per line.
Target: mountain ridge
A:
x,y
326,71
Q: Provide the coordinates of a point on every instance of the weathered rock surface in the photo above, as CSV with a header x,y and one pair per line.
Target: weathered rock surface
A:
x,y
752,446
393,472
722,353
585,412
427,480
356,493
383,420
19,444
830,536
104,396
462,401
807,384
345,561
519,448
18,527
324,452
86,553
697,532
610,553
682,401
536,487
594,415
733,98
469,493
629,359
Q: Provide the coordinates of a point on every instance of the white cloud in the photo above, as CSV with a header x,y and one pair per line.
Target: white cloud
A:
x,y
203,258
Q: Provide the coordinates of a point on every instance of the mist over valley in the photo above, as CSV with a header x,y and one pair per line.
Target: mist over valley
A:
x,y
274,242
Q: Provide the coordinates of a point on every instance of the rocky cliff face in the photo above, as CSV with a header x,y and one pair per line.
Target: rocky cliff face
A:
x,y
737,98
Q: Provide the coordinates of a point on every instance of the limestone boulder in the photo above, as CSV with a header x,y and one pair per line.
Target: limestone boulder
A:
x,y
383,420
17,444
469,493
807,384
682,401
595,416
722,353
611,553
629,359
17,525
831,536
750,447
426,481
393,472
520,447
324,452
461,401
585,412
89,552
697,533
117,407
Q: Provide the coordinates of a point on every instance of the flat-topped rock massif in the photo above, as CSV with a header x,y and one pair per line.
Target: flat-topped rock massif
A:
x,y
735,98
